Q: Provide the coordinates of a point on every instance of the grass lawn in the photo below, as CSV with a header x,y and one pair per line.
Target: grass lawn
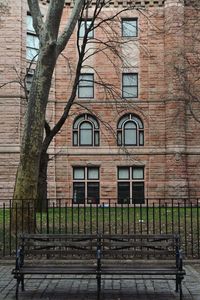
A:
x,y
182,220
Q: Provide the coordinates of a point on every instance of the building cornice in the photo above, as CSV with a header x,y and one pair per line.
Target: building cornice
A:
x,y
123,3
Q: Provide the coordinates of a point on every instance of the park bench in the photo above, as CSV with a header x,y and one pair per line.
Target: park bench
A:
x,y
100,255
55,254
152,256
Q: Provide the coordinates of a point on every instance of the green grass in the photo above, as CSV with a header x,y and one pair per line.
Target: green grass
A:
x,y
185,221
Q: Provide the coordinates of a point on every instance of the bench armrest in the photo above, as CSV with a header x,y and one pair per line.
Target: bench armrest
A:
x,y
19,259
179,260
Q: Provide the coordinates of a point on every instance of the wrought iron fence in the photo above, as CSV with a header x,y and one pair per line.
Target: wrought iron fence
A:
x,y
63,216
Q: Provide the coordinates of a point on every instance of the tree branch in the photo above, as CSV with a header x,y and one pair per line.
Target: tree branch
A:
x,y
69,28
37,16
53,18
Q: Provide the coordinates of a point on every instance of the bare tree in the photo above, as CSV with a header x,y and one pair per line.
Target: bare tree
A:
x,y
51,45
111,48
31,178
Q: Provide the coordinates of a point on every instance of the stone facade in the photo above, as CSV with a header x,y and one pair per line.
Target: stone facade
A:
x,y
171,151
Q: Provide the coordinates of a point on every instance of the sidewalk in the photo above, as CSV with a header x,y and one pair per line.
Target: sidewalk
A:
x,y
121,289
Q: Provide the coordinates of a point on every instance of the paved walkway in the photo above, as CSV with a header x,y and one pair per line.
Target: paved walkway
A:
x,y
122,289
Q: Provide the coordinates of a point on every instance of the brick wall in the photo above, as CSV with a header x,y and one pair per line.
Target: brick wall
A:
x,y
170,153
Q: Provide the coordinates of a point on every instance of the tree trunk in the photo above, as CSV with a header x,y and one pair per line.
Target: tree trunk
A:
x,y
42,202
25,192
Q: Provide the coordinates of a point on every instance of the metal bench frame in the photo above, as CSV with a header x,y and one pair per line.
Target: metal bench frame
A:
x,y
106,255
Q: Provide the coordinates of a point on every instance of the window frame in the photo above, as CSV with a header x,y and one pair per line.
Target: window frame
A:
x,y
29,79
90,34
76,133
130,182
122,27
87,86
130,86
139,130
86,182
31,33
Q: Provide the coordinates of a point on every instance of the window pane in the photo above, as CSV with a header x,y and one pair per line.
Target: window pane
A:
x,y
93,192
86,80
138,173
96,138
85,24
96,125
138,192
79,192
130,125
130,79
130,92
86,86
93,173
31,54
124,192
122,121
86,125
86,136
29,79
86,92
29,23
79,173
123,173
119,138
129,27
32,41
78,121
138,121
130,137
75,138
141,136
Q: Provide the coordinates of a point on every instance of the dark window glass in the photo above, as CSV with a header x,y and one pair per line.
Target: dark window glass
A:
x,y
123,192
93,192
79,193
138,192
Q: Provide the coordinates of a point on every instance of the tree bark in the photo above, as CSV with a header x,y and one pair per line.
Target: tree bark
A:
x,y
25,192
51,45
42,201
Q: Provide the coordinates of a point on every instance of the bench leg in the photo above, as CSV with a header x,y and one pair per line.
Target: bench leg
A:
x,y
176,284
17,287
22,283
98,286
180,288
179,285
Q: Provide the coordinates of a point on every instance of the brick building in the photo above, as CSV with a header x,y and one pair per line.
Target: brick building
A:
x,y
141,143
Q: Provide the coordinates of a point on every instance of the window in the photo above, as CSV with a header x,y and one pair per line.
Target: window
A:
x,y
86,86
86,131
85,185
130,185
129,85
29,79
130,27
32,41
84,25
130,131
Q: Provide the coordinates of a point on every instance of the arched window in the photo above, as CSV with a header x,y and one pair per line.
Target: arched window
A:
x,y
86,131
130,131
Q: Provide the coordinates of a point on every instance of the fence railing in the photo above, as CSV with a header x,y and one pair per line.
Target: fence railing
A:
x,y
63,216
